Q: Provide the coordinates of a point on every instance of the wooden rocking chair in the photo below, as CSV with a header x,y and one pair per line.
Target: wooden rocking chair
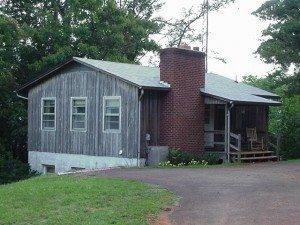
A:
x,y
253,142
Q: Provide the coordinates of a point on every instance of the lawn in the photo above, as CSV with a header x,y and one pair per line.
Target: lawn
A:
x,y
80,200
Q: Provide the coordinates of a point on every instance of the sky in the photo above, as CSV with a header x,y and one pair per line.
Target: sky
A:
x,y
234,33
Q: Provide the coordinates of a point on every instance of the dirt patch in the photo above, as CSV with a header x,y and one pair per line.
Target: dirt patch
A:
x,y
163,218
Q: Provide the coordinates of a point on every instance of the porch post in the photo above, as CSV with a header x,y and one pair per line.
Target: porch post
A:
x,y
226,133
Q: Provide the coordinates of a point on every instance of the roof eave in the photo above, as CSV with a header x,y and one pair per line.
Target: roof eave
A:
x,y
42,76
241,102
156,88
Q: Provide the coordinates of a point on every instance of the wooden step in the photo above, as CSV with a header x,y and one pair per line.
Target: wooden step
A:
x,y
259,158
252,152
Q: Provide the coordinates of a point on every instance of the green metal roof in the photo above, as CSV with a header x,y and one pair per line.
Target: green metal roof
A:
x,y
142,76
149,77
229,90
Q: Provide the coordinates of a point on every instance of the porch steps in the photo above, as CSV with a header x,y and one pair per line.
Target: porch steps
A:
x,y
259,158
253,152
254,156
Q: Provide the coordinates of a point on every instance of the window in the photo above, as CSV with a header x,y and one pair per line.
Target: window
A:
x,y
49,169
111,114
48,113
78,114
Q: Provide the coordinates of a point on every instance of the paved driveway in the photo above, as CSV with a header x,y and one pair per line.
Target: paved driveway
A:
x,y
254,194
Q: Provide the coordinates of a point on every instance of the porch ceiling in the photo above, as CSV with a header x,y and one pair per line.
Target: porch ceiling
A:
x,y
228,90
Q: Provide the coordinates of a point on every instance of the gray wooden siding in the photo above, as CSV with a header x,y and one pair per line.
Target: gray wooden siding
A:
x,y
80,81
213,101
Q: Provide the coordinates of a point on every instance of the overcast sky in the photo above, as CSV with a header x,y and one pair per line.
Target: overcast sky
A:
x,y
234,33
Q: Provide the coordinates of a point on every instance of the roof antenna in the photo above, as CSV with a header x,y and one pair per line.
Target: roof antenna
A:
x,y
206,49
236,80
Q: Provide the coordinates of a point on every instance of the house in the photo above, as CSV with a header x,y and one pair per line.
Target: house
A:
x,y
87,114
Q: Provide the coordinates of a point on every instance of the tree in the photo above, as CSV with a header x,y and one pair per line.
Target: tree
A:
x,y
55,30
282,38
12,112
182,31
282,47
283,35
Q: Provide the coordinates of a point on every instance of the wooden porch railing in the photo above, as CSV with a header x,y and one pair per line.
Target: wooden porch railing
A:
x,y
217,135
276,146
237,144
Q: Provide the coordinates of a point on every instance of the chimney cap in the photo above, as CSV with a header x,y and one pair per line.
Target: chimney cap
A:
x,y
184,46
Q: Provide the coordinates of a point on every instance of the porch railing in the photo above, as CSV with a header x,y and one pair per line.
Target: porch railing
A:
x,y
218,138
236,144
274,143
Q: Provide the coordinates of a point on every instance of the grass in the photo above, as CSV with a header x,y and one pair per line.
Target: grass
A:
x,y
293,161
80,200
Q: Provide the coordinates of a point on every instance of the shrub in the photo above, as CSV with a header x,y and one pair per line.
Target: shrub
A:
x,y
191,163
12,170
176,156
211,158
197,163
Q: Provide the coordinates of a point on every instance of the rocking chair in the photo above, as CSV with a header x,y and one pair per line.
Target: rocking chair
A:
x,y
253,142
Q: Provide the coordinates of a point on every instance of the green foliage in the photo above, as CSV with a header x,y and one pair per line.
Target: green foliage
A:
x,y
283,35
191,163
80,200
11,168
285,121
14,170
211,158
177,156
282,47
57,30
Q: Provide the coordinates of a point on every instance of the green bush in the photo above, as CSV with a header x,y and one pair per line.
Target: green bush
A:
x,y
211,158
191,163
12,170
176,156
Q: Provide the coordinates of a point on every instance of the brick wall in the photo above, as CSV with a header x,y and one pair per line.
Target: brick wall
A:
x,y
182,108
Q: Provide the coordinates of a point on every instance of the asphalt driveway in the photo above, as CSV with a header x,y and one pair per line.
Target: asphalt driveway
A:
x,y
253,194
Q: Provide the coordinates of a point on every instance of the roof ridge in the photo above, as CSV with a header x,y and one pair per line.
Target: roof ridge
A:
x,y
130,64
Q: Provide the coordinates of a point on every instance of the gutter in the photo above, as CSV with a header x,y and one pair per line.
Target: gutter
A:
x,y
139,128
20,96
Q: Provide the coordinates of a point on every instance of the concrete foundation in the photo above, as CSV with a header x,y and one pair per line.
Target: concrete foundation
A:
x,y
67,162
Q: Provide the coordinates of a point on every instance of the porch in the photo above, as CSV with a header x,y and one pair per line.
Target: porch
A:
x,y
226,127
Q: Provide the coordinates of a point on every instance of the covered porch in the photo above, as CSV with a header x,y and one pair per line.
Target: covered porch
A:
x,y
230,127
236,120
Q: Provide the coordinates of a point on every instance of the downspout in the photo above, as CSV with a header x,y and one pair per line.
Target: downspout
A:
x,y
228,130
20,96
139,128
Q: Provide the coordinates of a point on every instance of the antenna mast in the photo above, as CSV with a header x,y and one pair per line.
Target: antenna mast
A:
x,y
206,47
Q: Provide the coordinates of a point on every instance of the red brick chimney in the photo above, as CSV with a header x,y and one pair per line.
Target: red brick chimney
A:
x,y
182,108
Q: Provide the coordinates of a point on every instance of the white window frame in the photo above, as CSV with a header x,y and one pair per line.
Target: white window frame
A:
x,y
42,113
71,114
103,116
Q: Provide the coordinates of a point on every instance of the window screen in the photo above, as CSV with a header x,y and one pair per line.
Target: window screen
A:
x,y
78,109
48,114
